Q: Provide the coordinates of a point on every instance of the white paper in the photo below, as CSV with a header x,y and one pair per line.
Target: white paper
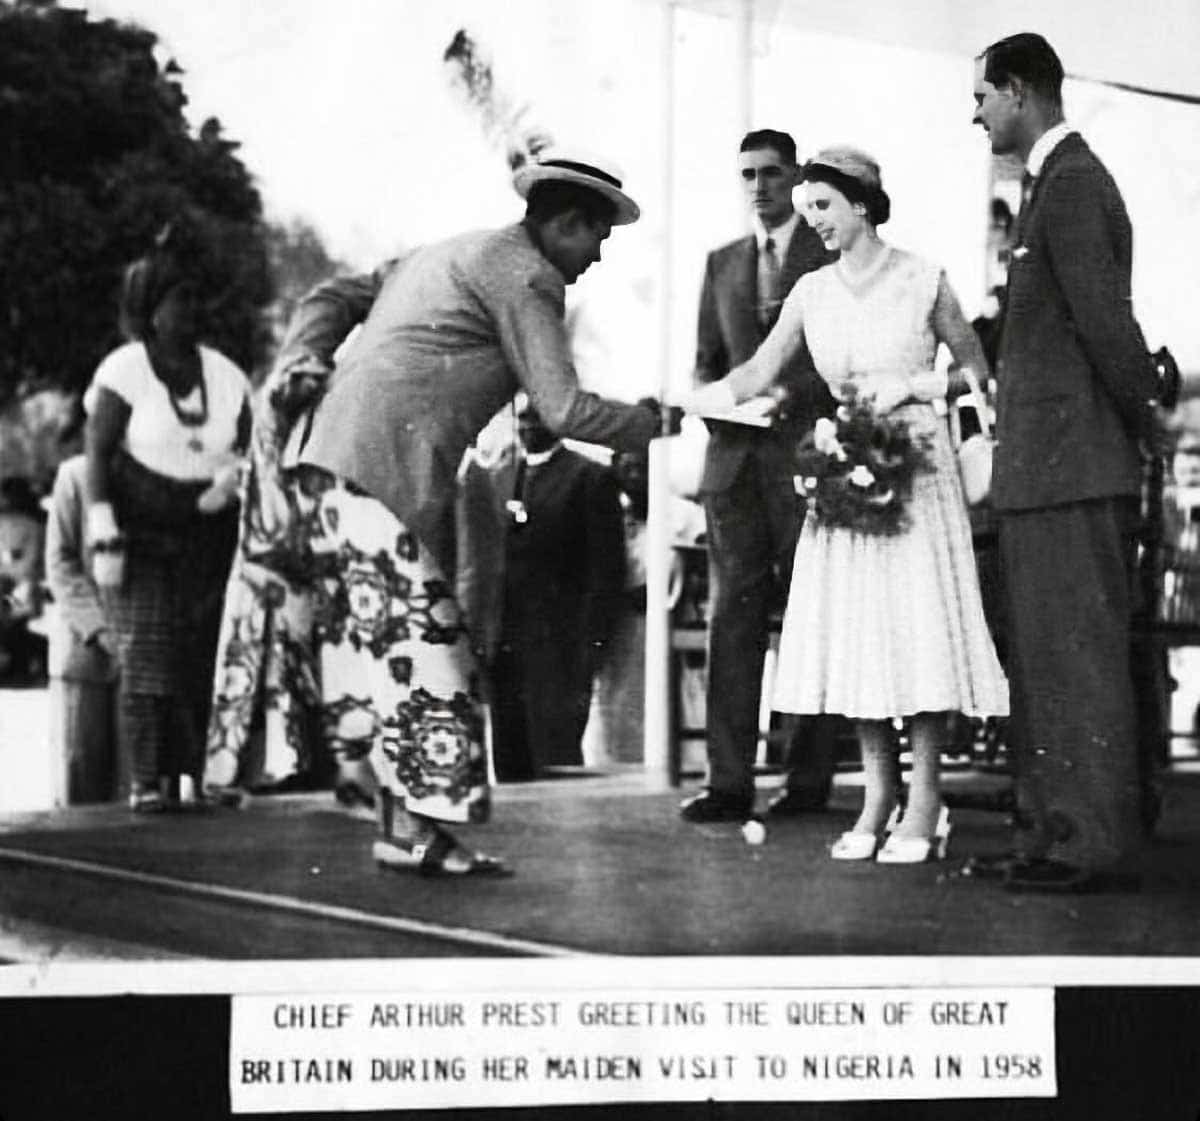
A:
x,y
416,1049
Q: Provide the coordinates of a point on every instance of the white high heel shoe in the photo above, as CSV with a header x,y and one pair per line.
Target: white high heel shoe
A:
x,y
917,850
861,846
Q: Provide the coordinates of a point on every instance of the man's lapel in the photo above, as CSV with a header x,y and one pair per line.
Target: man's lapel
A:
x,y
799,259
742,287
1071,142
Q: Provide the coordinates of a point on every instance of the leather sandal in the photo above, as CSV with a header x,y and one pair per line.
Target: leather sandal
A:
x,y
428,858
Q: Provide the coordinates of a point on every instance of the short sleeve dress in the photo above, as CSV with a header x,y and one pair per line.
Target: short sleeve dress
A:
x,y
879,627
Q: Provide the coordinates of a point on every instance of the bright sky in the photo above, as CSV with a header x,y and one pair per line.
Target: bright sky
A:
x,y
347,118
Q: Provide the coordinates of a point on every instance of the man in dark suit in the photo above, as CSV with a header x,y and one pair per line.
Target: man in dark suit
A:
x,y
752,509
564,573
1076,397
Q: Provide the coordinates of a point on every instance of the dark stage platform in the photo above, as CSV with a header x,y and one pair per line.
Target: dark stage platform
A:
x,y
602,867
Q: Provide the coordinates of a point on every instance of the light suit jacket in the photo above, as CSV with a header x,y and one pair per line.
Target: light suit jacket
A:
x,y
456,329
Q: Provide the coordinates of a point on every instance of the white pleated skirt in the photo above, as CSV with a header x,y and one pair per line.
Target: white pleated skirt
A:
x,y
879,627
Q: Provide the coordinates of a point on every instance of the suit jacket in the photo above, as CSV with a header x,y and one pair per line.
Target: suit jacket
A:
x,y
564,576
456,329
729,332
1074,375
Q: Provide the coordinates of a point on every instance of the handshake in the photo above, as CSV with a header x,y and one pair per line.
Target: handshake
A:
x,y
670,416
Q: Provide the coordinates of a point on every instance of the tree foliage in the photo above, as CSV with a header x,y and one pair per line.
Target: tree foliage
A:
x,y
96,156
299,260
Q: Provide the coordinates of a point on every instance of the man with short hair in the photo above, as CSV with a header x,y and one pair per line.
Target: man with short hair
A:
x,y
1076,395
753,511
563,576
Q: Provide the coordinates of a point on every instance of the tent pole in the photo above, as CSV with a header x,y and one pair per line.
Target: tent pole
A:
x,y
745,67
658,750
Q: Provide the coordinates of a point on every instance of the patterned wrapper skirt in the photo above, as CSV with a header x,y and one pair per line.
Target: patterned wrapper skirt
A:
x,y
398,675
166,613
266,669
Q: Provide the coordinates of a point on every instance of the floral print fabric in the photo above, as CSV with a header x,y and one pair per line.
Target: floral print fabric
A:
x,y
399,678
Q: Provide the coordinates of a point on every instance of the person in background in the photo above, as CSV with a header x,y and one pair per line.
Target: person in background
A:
x,y
564,571
167,419
456,329
267,729
22,533
83,654
752,510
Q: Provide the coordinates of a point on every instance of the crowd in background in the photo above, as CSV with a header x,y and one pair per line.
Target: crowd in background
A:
x,y
183,641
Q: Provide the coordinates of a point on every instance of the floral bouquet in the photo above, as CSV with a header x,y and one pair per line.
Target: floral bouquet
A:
x,y
858,469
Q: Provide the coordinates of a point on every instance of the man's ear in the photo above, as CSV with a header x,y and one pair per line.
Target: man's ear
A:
x,y
1019,89
571,220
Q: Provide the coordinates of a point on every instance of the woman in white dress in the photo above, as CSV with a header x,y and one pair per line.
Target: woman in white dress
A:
x,y
880,627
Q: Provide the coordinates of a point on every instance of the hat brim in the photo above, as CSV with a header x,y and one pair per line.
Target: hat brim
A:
x,y
627,211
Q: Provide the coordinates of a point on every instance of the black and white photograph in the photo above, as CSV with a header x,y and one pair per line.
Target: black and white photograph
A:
x,y
600,558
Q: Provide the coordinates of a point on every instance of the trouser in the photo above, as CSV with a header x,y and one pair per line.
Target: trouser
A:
x,y
1073,732
752,530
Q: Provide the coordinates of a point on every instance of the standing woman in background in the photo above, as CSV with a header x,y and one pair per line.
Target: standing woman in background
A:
x,y
167,419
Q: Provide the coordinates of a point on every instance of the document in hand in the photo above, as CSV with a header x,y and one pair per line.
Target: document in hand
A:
x,y
757,412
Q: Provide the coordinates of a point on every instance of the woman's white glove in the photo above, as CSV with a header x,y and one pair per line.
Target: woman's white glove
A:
x,y
107,546
930,385
713,399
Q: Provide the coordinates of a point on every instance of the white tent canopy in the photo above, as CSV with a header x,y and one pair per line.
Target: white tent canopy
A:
x,y
1151,45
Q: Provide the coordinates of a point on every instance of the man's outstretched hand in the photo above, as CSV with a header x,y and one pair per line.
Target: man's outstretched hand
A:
x,y
671,416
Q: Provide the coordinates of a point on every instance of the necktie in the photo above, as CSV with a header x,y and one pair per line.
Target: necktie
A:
x,y
1026,195
768,283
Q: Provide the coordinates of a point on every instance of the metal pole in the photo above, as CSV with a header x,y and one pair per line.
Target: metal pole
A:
x,y
745,71
657,745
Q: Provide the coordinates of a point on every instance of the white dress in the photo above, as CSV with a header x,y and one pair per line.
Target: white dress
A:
x,y
885,626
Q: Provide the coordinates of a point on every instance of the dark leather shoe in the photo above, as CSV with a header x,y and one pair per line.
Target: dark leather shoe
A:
x,y
1056,877
710,805
794,803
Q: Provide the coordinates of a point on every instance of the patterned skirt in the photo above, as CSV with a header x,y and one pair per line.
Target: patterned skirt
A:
x,y
266,672
399,679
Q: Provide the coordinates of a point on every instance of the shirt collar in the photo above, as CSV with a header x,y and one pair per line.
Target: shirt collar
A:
x,y
781,235
1044,145
536,459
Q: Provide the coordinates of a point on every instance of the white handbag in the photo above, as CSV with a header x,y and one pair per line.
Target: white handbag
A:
x,y
975,452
